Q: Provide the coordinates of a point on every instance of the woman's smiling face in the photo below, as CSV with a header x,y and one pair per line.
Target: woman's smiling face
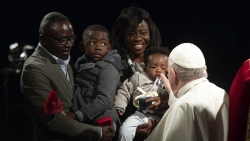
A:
x,y
138,40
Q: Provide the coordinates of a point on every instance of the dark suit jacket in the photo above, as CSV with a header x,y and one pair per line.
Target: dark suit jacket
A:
x,y
41,74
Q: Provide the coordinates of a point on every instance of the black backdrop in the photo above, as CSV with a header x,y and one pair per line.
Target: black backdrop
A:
x,y
220,29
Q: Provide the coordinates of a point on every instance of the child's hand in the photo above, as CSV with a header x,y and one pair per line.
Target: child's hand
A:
x,y
154,106
119,113
161,103
166,83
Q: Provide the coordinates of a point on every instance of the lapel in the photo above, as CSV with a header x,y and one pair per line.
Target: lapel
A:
x,y
55,70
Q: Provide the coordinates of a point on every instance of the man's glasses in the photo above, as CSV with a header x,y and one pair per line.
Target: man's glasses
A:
x,y
64,40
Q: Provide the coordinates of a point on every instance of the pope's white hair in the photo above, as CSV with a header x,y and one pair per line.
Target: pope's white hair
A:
x,y
187,74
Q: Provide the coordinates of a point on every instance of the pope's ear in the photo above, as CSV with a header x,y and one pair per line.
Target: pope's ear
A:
x,y
82,47
175,77
173,72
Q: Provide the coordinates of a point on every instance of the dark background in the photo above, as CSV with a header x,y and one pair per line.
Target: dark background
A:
x,y
220,29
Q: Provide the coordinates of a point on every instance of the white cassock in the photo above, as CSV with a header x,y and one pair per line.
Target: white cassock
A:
x,y
200,114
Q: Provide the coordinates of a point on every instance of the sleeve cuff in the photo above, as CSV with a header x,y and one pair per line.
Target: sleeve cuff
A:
x,y
121,109
81,116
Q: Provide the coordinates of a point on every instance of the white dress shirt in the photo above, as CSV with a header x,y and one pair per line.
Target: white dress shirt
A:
x,y
63,63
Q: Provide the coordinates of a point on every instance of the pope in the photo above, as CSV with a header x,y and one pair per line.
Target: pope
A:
x,y
199,110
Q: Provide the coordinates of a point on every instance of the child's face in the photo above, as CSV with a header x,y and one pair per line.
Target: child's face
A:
x,y
137,41
157,64
96,45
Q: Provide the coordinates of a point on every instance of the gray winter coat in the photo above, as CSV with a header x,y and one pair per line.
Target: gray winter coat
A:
x,y
96,85
128,90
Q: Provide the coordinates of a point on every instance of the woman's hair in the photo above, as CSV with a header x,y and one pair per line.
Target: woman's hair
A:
x,y
132,16
155,50
186,74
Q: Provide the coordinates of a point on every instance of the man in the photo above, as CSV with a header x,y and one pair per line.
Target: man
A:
x,y
47,69
198,110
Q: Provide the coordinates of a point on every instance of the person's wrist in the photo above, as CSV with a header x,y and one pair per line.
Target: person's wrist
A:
x,y
81,116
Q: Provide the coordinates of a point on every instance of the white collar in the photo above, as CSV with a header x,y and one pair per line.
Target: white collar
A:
x,y
190,85
184,89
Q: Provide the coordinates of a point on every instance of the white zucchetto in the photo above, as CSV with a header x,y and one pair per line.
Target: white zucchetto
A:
x,y
188,55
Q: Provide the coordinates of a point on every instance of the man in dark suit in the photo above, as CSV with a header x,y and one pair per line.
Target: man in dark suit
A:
x,y
49,68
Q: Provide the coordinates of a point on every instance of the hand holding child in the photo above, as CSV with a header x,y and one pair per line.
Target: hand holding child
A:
x,y
107,133
143,130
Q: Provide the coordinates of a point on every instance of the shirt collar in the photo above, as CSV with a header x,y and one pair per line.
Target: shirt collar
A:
x,y
58,60
189,85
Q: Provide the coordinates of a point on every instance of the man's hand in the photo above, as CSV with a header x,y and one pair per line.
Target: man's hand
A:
x,y
119,113
143,130
161,103
72,115
107,133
